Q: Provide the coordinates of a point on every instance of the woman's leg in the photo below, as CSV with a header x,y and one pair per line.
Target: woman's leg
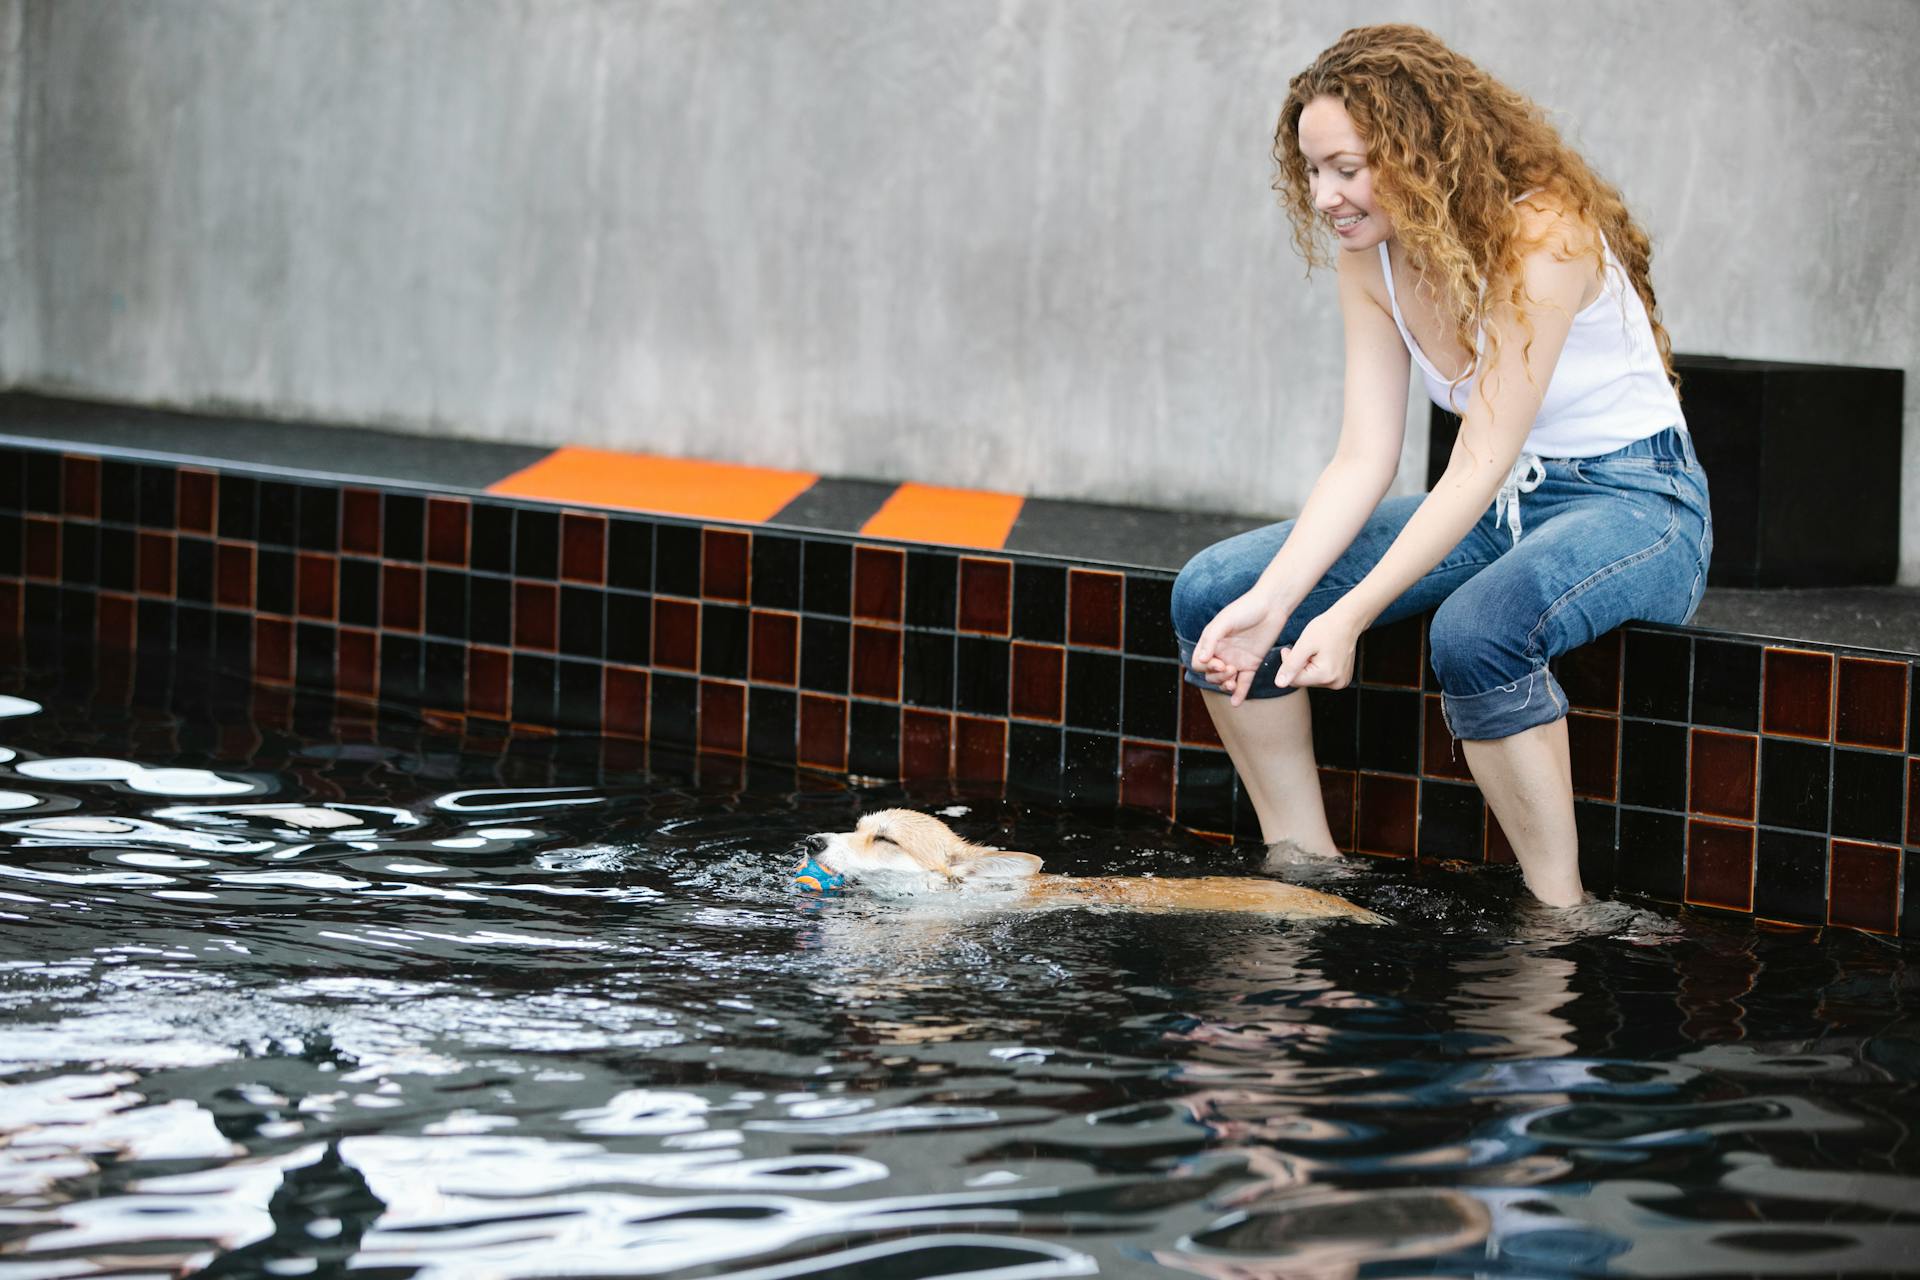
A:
x,y
1527,779
1271,743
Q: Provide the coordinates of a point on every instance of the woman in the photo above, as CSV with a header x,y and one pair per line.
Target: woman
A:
x,y
1474,242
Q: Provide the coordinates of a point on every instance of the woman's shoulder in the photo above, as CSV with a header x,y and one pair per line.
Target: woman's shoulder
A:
x,y
1548,223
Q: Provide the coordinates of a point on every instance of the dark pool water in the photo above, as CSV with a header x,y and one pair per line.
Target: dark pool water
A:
x,y
363,998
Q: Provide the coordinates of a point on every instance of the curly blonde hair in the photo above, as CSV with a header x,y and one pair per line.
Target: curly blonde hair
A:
x,y
1451,148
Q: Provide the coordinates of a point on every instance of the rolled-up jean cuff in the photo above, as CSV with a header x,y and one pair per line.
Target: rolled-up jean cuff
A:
x,y
1505,710
1262,687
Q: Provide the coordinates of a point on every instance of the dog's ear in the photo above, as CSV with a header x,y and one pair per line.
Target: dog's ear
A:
x,y
977,863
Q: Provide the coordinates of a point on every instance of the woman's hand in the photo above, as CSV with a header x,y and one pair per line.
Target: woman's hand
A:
x,y
1323,655
1237,641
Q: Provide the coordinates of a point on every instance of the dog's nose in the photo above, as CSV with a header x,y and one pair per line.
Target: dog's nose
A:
x,y
818,840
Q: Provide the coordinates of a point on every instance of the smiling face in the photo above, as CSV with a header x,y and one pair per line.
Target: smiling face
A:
x,y
1339,176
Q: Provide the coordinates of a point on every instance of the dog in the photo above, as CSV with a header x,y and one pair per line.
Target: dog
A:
x,y
910,852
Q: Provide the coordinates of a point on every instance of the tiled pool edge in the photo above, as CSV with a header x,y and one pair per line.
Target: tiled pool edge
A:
x,y
1748,776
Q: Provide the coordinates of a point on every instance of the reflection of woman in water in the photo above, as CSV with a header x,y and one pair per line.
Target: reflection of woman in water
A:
x,y
1476,244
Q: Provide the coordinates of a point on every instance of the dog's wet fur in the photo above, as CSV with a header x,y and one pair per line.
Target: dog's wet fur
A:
x,y
903,851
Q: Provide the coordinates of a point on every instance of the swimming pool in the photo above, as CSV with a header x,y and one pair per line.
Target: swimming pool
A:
x,y
294,992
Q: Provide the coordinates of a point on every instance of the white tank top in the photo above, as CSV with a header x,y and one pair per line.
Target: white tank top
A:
x,y
1608,389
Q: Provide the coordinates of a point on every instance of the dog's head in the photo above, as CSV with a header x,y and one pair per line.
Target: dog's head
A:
x,y
914,851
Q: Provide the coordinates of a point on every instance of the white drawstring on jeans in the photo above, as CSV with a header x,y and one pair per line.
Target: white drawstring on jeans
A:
x,y
1528,471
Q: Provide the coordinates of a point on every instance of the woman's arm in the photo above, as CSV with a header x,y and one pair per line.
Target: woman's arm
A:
x,y
1505,400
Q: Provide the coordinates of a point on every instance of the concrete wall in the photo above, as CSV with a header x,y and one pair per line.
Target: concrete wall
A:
x,y
1027,244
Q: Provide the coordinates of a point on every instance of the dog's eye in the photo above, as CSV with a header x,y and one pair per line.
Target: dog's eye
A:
x,y
882,837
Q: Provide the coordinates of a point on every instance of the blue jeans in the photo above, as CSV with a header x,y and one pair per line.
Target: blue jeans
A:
x,y
1606,539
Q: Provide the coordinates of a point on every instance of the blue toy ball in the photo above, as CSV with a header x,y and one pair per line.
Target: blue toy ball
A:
x,y
814,878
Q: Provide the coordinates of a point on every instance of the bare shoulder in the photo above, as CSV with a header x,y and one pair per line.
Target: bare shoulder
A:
x,y
1361,276
1560,252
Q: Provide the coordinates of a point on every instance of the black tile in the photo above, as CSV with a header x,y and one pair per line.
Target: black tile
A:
x,y
490,610
776,578
582,621
1656,672
400,668
158,484
873,739
154,621
1869,795
193,569
275,516
1090,772
1149,617
79,553
447,603
236,496
826,578
120,492
1653,765
676,560
926,669
319,518
630,553
77,613
1093,690
117,559
1040,602
1336,726
490,546
403,527
43,482
824,646
444,673
1388,739
535,686
233,641
578,705
1450,820
1033,758
193,632
1203,790
11,534
273,581
933,589
313,645
980,676
359,592
1150,699
1790,877
1794,784
674,709
536,543
13,478
1910,896
629,628
1594,825
773,717
1726,684
1653,854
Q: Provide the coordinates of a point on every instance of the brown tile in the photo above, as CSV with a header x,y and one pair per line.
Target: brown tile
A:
x,y
315,576
1863,886
1338,790
1720,865
82,488
723,717
1386,815
156,564
1590,675
986,595
1871,707
1196,726
400,597
623,706
536,616
1594,744
979,749
273,650
775,647
676,634
878,583
233,575
1039,680
724,564
926,743
41,554
583,547
360,521
1146,776
876,663
195,501
1094,601
1499,848
447,520
1795,694
823,731
357,662
1440,753
1391,654
489,673
113,617
1723,773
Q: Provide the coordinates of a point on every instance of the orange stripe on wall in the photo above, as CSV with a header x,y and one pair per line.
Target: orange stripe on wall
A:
x,y
959,517
670,486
